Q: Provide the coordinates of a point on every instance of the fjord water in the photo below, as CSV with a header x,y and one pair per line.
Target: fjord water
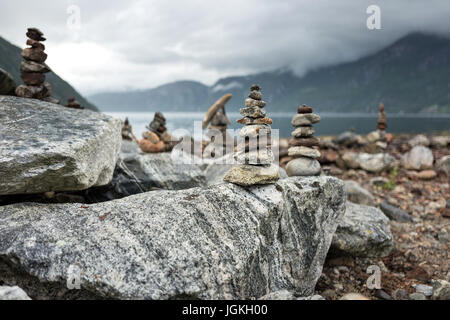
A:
x,y
331,123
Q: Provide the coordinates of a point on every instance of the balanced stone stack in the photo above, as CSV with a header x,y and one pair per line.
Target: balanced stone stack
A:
x,y
217,120
157,139
33,69
382,123
303,143
127,130
73,103
254,152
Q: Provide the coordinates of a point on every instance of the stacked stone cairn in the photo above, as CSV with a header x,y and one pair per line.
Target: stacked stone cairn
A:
x,y
73,103
382,123
303,144
33,69
127,130
217,120
254,151
156,139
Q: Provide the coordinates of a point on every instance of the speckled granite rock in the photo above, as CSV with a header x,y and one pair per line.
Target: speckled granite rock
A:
x,y
44,147
220,242
12,293
363,232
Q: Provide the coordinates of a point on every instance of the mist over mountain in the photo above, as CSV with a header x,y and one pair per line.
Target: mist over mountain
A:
x,y
10,59
411,75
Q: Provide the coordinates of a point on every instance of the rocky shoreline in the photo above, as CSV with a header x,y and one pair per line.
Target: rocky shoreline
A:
x,y
87,215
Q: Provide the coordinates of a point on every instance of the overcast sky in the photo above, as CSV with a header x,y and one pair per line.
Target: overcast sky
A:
x,y
135,44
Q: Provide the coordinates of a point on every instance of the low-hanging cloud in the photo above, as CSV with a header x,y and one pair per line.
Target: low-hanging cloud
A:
x,y
135,44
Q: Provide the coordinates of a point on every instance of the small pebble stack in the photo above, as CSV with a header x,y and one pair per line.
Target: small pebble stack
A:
x,y
254,153
382,123
33,69
302,144
73,103
127,130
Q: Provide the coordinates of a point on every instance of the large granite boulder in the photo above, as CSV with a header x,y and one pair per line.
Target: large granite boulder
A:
x,y
363,232
46,147
220,242
7,84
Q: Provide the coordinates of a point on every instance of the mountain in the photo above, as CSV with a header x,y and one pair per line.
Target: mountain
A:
x,y
10,59
411,75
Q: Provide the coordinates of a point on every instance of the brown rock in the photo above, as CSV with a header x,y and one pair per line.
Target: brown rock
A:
x,y
34,54
150,147
427,175
305,142
382,125
31,66
33,78
35,34
418,273
328,156
36,92
48,89
248,121
305,109
151,136
35,44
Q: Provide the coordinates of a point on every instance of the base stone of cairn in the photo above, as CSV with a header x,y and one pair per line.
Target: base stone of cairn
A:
x,y
302,144
33,69
157,139
254,153
73,103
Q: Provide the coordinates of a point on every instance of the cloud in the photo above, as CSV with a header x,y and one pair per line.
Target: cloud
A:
x,y
137,44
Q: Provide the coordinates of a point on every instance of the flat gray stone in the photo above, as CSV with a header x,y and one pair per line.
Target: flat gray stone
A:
x,y
305,119
220,242
249,175
303,167
253,112
46,147
304,131
303,152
